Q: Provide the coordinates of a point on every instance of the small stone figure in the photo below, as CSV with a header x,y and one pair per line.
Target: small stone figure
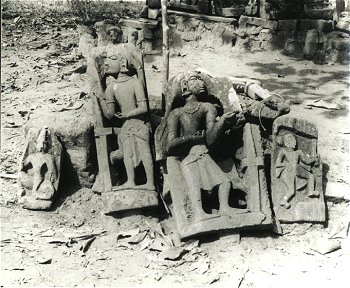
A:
x,y
287,163
39,171
192,128
134,140
107,33
296,172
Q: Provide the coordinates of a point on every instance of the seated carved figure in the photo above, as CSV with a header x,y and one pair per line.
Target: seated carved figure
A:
x,y
191,130
210,148
39,171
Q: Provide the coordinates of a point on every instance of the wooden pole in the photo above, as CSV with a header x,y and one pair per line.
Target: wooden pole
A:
x,y
165,50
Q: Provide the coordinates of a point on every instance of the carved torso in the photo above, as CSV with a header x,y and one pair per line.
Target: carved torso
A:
x,y
124,93
192,117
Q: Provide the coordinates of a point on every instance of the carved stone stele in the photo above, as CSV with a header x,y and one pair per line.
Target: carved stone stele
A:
x,y
296,172
212,158
39,171
122,130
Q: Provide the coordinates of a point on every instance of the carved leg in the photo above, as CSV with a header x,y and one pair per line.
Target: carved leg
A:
x,y
312,193
37,180
129,167
46,191
224,193
147,162
289,192
116,155
196,201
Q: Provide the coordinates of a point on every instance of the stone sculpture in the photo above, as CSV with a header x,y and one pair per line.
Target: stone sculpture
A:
x,y
235,8
122,132
107,33
296,172
197,6
39,172
216,156
280,9
188,138
134,140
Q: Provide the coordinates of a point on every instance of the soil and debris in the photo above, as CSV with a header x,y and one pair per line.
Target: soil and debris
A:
x,y
75,245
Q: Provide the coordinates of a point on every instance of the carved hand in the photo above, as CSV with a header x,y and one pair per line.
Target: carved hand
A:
x,y
120,115
229,116
199,135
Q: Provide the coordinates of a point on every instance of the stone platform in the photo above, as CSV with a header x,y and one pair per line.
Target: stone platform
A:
x,y
246,33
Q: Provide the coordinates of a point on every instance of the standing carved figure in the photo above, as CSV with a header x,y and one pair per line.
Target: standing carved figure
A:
x,y
287,163
296,172
127,93
191,130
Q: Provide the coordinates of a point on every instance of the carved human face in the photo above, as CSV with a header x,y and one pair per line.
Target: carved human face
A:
x,y
112,64
289,141
196,84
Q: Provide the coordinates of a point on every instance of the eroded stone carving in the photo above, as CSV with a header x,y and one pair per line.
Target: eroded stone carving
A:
x,y
296,172
198,6
39,172
108,33
122,132
216,156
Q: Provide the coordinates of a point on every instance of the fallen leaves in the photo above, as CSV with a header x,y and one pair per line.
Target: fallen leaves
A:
x,y
70,106
173,253
321,103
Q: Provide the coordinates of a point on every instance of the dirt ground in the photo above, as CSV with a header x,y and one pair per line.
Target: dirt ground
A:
x,y
46,249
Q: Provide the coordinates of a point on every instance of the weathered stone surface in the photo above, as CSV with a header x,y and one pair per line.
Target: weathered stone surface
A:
x,y
31,203
40,169
86,41
337,47
296,172
108,33
122,128
129,200
287,24
238,157
280,9
245,22
319,10
230,11
138,23
74,128
210,31
319,25
199,6
311,44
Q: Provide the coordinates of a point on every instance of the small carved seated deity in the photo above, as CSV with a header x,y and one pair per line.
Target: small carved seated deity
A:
x,y
39,171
